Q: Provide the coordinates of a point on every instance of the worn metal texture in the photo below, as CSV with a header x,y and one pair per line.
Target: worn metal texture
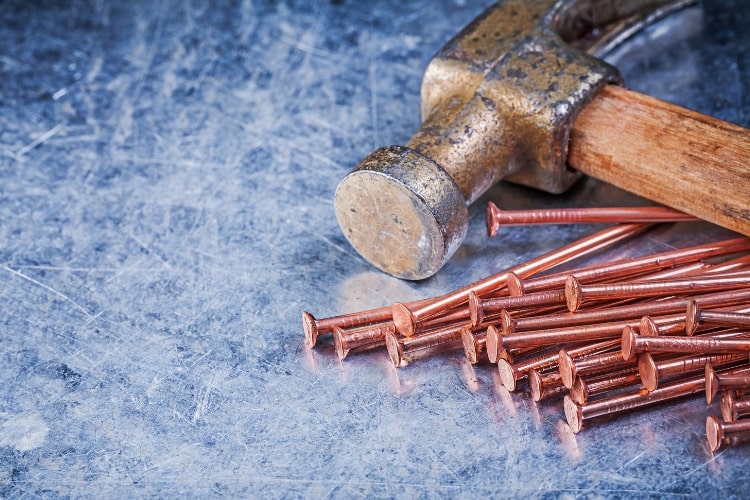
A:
x,y
402,211
167,171
499,100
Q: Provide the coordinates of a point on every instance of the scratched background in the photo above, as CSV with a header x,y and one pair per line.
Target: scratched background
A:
x,y
167,171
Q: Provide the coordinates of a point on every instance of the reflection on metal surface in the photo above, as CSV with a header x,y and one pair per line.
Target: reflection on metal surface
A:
x,y
536,416
505,397
310,360
469,376
400,381
361,290
568,440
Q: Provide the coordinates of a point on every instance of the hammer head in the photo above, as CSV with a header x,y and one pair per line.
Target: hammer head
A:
x,y
402,212
498,102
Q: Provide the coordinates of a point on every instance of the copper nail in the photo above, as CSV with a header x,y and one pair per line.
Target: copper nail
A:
x,y
733,408
577,415
545,385
513,355
653,327
481,308
695,316
313,327
652,371
734,380
576,293
403,350
554,336
599,273
721,433
495,352
584,388
360,339
459,315
610,314
593,366
628,267
633,344
495,217
474,344
512,371
407,317
572,367
648,326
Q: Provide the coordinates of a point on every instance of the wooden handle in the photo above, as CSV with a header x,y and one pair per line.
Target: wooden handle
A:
x,y
683,159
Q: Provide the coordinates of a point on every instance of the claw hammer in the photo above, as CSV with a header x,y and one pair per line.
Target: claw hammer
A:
x,y
519,95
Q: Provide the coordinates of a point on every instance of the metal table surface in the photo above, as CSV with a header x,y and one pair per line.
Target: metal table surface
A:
x,y
167,172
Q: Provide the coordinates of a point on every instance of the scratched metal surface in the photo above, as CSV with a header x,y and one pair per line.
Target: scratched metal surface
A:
x,y
166,180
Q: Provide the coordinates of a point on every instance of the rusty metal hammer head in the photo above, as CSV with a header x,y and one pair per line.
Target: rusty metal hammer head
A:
x,y
498,102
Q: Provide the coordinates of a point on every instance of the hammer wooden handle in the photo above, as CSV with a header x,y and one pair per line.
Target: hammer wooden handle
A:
x,y
683,159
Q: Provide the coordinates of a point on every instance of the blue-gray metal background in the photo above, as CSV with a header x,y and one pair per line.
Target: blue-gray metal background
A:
x,y
167,170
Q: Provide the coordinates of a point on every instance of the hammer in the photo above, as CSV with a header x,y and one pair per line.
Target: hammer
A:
x,y
519,95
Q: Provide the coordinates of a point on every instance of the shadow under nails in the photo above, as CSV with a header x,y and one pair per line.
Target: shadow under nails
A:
x,y
399,381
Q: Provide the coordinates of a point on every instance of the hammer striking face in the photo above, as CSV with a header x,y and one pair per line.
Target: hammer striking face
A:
x,y
499,101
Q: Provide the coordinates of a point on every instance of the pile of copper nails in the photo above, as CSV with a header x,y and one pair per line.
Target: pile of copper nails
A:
x,y
603,339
